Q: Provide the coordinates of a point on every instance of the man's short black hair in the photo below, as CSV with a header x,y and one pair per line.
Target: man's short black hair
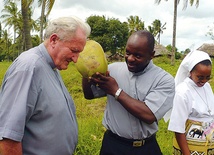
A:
x,y
149,36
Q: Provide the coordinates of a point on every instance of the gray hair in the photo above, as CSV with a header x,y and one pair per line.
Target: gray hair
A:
x,y
65,27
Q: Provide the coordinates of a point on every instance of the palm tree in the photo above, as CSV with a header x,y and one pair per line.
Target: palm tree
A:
x,y
210,32
151,29
25,5
13,17
158,28
0,30
135,24
176,2
46,4
7,42
34,24
191,2
10,18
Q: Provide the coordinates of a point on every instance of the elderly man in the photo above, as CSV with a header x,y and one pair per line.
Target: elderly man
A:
x,y
37,113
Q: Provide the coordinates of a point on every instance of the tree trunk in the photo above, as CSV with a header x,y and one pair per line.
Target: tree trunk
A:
x,y
174,33
42,20
26,24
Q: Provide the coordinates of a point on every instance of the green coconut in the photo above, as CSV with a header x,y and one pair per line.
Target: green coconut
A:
x,y
91,60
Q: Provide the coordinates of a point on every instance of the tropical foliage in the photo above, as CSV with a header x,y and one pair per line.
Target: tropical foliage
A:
x,y
135,24
25,15
210,32
47,6
176,2
157,29
111,33
23,25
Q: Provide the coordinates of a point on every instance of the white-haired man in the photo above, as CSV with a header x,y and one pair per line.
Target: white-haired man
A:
x,y
37,113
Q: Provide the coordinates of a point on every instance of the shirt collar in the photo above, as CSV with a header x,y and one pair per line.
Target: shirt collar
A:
x,y
46,55
143,71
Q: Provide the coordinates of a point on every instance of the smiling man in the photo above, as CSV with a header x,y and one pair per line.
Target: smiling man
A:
x,y
138,95
37,113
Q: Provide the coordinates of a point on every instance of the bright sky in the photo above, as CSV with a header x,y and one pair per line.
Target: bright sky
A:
x,y
192,23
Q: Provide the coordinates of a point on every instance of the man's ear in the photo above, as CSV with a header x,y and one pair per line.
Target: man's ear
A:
x,y
152,54
54,38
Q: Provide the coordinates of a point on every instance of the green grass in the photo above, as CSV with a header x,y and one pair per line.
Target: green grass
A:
x,y
90,112
3,68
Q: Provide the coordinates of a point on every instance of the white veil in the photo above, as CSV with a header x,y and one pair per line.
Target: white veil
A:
x,y
188,63
190,60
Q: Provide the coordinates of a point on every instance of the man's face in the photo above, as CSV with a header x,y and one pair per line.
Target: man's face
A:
x,y
67,51
137,54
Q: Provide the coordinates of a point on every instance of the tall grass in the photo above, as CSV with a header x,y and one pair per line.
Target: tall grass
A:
x,y
90,112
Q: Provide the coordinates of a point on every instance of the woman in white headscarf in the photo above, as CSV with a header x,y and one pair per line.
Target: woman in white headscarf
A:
x,y
193,107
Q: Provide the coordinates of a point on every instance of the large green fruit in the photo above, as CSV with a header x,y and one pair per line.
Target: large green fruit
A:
x,y
91,60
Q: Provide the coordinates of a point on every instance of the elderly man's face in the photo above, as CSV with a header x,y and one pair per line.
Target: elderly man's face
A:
x,y
67,51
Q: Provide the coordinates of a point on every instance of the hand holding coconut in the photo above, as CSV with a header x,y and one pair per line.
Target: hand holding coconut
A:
x,y
90,64
105,82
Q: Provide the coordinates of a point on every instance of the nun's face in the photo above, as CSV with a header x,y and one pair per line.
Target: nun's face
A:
x,y
201,74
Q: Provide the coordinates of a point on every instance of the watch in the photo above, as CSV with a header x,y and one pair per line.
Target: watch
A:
x,y
117,94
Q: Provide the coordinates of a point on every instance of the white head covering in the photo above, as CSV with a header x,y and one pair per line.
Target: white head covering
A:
x,y
191,59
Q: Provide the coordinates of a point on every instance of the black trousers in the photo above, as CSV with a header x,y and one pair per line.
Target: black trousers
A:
x,y
114,145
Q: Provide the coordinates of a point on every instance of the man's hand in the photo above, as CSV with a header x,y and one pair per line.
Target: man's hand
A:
x,y
105,82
